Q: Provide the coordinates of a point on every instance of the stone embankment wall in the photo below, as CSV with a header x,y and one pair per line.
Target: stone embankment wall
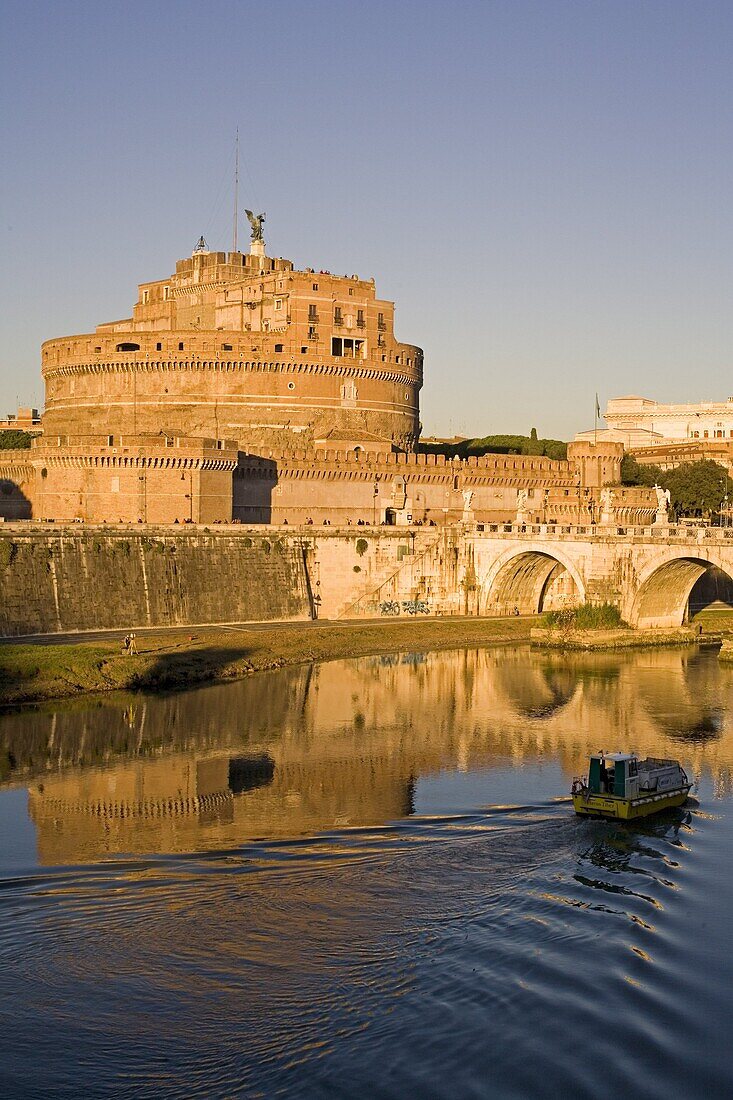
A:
x,y
96,579
82,578
75,577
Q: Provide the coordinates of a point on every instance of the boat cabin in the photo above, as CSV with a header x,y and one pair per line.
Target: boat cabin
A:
x,y
614,773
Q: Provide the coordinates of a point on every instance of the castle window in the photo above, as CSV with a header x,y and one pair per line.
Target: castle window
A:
x,y
303,351
315,286
146,297
166,293
278,303
338,316
110,440
128,347
291,385
312,312
226,347
158,347
312,334
380,322
278,347
337,345
180,346
97,349
351,290
360,318
705,435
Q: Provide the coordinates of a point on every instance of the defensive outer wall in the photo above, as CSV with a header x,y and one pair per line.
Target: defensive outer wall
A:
x,y
55,579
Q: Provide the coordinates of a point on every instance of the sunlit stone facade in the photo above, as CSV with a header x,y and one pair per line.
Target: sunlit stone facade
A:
x,y
243,347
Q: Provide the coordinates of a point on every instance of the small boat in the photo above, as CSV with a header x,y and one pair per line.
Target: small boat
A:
x,y
620,785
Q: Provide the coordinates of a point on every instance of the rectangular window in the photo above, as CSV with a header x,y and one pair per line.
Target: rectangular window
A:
x,y
180,346
338,316
312,312
312,334
337,346
278,347
380,322
110,440
146,297
166,293
315,286
278,303
158,347
360,318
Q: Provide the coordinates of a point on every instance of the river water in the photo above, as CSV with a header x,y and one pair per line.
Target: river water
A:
x,y
365,879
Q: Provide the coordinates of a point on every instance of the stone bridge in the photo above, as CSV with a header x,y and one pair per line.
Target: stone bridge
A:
x,y
648,573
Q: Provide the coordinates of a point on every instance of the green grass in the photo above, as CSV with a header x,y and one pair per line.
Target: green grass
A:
x,y
715,621
603,616
30,673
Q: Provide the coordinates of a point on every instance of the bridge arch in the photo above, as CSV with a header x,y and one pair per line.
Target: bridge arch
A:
x,y
531,578
662,594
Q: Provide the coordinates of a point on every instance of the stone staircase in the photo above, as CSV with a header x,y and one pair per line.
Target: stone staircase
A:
x,y
415,577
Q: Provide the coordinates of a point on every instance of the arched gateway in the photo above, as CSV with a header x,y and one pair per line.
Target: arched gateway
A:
x,y
531,579
662,595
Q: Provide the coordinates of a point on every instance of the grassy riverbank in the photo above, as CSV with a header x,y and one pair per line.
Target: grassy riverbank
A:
x,y
32,673
620,639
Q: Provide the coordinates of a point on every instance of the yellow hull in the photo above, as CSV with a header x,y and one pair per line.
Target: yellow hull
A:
x,y
600,805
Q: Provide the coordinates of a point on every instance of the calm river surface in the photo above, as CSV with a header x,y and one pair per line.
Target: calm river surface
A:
x,y
365,879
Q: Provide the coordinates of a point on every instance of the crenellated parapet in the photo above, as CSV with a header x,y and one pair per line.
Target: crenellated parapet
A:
x,y
371,486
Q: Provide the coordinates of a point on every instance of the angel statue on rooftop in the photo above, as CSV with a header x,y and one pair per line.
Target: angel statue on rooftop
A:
x,y
255,220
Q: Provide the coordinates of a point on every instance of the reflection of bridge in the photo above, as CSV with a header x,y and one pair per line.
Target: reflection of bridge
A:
x,y
649,573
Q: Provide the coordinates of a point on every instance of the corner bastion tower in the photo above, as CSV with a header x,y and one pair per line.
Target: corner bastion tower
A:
x,y
244,348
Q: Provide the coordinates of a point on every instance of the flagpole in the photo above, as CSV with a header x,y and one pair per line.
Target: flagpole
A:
x,y
595,423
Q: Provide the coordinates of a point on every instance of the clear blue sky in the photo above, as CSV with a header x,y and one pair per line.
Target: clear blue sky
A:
x,y
544,188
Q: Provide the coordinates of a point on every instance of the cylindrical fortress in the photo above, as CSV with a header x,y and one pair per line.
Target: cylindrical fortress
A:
x,y
240,347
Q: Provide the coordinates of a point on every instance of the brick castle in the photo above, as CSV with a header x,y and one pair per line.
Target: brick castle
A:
x,y
244,390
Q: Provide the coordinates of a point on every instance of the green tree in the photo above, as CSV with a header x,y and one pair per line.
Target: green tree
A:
x,y
696,488
637,473
500,444
15,440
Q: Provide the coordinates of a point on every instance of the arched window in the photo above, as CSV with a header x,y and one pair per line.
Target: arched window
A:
x,y
128,347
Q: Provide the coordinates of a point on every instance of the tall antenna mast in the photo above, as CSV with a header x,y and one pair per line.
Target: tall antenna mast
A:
x,y
236,189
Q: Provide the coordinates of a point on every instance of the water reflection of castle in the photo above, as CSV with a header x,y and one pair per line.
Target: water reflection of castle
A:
x,y
343,744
